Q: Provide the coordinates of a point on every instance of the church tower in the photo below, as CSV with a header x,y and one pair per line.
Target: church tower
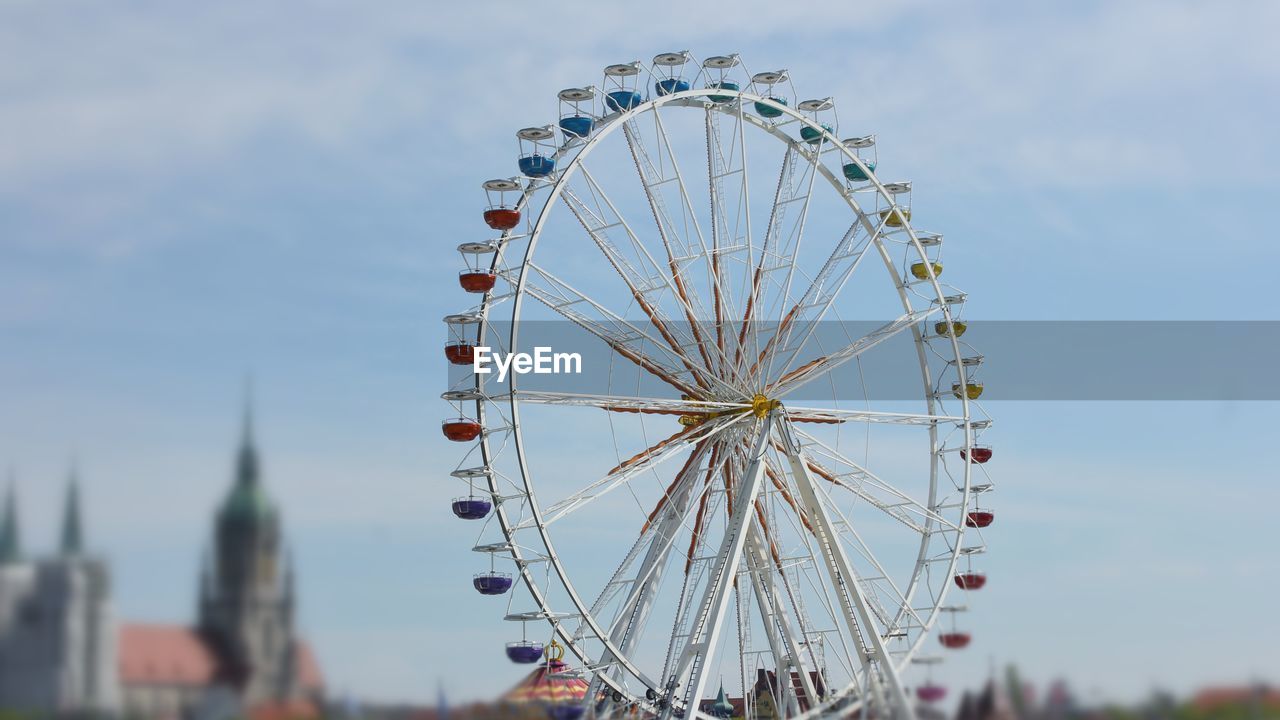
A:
x,y
10,545
57,631
246,593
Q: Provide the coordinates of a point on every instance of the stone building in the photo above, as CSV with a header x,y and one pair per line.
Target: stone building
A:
x,y
57,637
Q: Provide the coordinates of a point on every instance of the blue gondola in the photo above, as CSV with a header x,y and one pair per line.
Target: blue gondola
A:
x,y
577,125
670,86
472,508
853,172
622,99
814,136
524,652
537,165
726,85
492,583
769,111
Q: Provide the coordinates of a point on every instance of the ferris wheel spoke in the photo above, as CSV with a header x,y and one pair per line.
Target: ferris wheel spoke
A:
x,y
646,286
707,504
857,612
748,234
643,542
815,369
783,196
661,529
621,335
857,480
833,416
788,256
691,216
722,302
642,289
818,298
695,409
679,253
640,462
776,479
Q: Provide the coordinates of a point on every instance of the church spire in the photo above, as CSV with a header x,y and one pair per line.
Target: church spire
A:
x,y
247,501
247,465
10,547
72,529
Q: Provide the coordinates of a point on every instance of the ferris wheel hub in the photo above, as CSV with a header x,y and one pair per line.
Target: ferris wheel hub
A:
x,y
761,405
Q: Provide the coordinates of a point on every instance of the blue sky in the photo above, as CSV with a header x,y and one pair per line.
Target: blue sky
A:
x,y
190,193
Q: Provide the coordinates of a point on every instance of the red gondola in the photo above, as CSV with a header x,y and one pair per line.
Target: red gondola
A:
x,y
461,429
502,218
477,281
979,518
931,693
460,352
500,215
971,580
980,454
955,640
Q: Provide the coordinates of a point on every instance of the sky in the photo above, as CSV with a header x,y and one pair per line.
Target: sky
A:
x,y
193,194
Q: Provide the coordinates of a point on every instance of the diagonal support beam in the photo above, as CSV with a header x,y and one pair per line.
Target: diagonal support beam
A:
x,y
823,365
695,661
857,613
787,647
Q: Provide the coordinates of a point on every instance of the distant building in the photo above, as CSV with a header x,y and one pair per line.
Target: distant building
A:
x,y
1255,698
62,652
57,638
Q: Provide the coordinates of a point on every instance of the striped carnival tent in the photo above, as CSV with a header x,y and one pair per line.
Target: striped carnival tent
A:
x,y
550,684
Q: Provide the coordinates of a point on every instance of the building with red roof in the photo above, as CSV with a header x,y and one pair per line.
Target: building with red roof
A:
x,y
243,657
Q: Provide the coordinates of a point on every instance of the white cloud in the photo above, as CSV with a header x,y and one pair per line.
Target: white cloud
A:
x,y
149,93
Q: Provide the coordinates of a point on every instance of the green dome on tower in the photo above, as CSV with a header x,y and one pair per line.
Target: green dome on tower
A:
x,y
247,501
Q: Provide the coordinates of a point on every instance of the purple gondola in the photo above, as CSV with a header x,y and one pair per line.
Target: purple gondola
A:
x,y
471,508
492,583
524,652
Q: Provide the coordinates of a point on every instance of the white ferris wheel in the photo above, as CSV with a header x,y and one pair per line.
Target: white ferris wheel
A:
x,y
725,502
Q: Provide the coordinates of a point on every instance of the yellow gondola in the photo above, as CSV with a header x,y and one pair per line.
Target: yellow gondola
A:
x,y
896,217
920,271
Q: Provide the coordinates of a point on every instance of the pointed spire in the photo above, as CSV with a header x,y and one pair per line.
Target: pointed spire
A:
x,y
248,409
247,501
722,708
247,466
72,530
10,546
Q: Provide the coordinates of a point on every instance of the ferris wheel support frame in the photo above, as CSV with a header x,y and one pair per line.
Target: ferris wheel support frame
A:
x,y
877,664
704,634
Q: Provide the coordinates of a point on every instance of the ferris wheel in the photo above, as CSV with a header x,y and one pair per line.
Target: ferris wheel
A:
x,y
771,474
